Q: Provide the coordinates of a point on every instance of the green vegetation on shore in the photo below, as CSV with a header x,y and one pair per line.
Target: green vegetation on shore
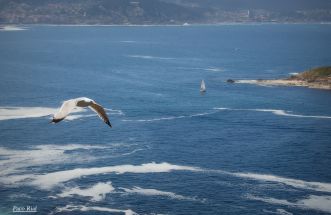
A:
x,y
315,74
320,72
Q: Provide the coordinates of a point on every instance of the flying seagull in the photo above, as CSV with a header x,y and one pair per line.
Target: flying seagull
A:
x,y
69,105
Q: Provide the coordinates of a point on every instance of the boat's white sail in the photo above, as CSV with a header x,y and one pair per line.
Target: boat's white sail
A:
x,y
203,86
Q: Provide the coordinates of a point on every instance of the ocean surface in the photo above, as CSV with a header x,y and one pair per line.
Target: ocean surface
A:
x,y
236,149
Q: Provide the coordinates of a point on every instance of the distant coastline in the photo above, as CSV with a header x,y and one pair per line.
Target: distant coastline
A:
x,y
317,78
163,12
4,25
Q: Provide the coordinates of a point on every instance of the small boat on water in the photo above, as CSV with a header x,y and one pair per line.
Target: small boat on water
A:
x,y
202,86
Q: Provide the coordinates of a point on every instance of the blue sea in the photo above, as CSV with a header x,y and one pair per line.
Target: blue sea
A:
x,y
235,149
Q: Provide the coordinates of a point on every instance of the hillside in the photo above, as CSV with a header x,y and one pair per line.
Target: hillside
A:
x,y
162,11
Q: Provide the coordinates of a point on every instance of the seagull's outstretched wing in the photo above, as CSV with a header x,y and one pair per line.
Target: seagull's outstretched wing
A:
x,y
64,111
100,111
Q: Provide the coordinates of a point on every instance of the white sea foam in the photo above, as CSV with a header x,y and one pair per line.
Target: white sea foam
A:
x,y
12,28
155,119
15,161
148,57
214,69
154,192
284,113
278,211
170,117
293,73
211,69
322,203
114,112
132,152
277,112
7,113
19,196
128,41
97,192
49,180
313,202
317,186
92,208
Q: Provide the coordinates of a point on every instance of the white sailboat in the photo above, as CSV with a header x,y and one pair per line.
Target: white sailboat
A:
x,y
203,86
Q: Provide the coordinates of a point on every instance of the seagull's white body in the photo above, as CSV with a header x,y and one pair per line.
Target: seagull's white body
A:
x,y
83,102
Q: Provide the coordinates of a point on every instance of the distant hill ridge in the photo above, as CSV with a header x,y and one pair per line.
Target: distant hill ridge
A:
x,y
162,11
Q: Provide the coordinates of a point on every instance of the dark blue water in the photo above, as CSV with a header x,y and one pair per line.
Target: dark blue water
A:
x,y
264,154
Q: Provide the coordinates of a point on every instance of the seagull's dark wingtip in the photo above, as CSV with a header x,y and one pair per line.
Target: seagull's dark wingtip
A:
x,y
56,120
108,123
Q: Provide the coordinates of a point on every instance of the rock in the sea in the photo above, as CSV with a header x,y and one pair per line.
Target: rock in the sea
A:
x,y
230,81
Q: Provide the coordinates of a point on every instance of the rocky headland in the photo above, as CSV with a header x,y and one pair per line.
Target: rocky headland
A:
x,y
319,78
